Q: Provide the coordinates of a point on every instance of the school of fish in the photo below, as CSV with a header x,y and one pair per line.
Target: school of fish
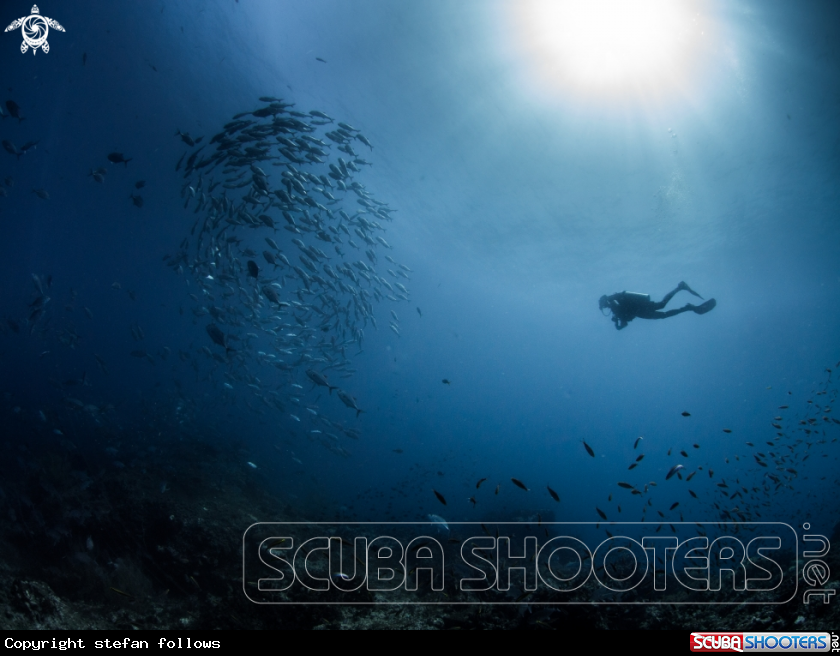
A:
x,y
284,256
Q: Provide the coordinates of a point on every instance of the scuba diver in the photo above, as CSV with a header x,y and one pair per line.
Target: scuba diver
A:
x,y
626,306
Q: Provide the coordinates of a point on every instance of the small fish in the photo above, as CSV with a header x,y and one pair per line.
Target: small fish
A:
x,y
674,505
323,61
14,109
41,193
419,312
692,494
519,484
253,269
349,401
439,497
118,158
478,485
11,148
673,471
186,138
685,414
636,443
633,466
727,430
137,199
639,459
295,417
319,379
472,501
271,295
588,449
251,465
440,521
601,513
683,454
626,486
139,184
497,489
218,336
445,381
553,494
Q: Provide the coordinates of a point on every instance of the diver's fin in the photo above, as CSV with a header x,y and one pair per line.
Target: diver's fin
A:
x,y
708,306
684,286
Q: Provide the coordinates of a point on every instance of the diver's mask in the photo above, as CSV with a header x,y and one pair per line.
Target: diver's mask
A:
x,y
604,305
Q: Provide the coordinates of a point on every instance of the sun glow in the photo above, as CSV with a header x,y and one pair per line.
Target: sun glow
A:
x,y
607,45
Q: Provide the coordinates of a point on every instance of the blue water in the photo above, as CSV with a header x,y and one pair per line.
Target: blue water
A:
x,y
518,206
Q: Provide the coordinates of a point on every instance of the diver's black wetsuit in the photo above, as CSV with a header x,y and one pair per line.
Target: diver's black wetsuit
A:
x,y
626,306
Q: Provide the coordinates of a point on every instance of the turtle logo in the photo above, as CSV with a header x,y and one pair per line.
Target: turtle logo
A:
x,y
35,29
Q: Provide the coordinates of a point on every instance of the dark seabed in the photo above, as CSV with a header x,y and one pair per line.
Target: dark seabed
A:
x,y
340,261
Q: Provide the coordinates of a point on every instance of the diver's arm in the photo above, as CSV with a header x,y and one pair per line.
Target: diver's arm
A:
x,y
615,297
615,306
614,303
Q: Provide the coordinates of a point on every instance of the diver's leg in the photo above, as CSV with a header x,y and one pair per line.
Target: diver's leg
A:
x,y
682,286
661,304
670,313
708,306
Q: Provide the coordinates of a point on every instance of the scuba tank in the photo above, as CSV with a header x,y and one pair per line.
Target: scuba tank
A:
x,y
631,302
636,297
